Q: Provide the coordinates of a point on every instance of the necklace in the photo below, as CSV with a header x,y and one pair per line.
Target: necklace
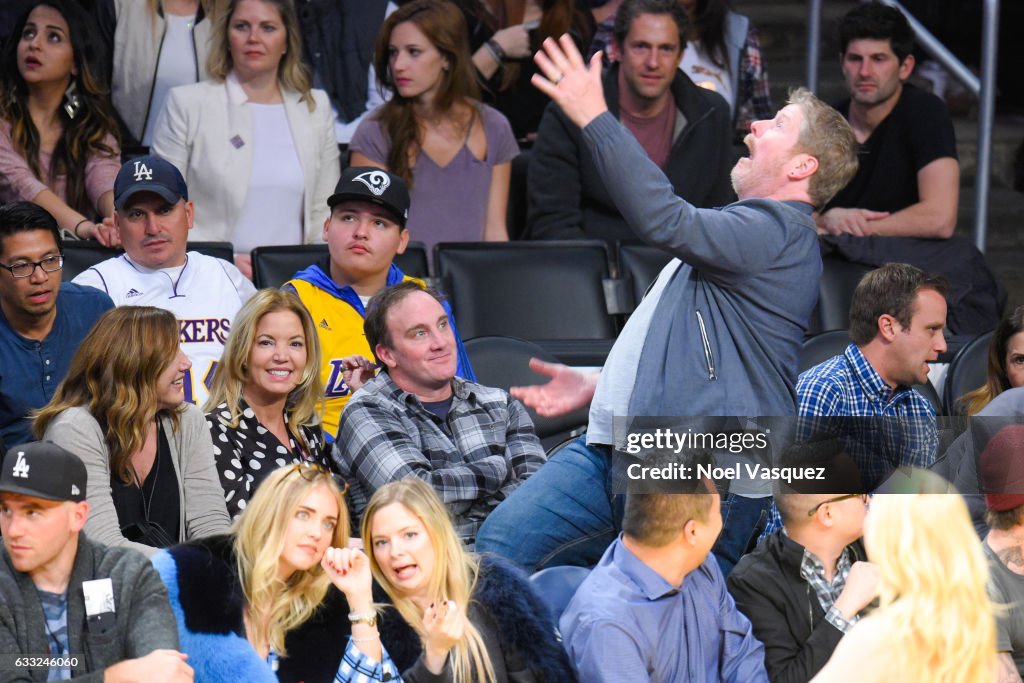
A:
x,y
155,473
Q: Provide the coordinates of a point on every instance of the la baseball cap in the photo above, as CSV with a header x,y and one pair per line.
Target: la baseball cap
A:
x,y
370,184
43,469
148,174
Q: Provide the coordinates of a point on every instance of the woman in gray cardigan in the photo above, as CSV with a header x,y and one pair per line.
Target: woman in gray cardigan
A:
x,y
149,458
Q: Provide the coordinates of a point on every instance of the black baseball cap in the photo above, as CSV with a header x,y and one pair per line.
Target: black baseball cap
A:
x,y
43,469
371,184
148,174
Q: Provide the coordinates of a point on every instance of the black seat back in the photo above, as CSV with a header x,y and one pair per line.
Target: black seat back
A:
x,y
839,278
80,255
273,266
640,265
503,362
967,371
530,290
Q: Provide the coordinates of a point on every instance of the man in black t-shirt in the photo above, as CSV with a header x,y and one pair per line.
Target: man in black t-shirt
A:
x,y
909,180
901,207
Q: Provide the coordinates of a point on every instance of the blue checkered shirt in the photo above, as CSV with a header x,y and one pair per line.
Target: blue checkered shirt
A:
x,y
356,667
832,394
840,396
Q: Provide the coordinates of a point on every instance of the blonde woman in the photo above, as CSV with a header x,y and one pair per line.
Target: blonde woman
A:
x,y
468,619
256,145
267,397
257,605
935,621
152,480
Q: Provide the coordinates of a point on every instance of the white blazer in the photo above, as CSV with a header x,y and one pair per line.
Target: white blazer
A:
x,y
206,131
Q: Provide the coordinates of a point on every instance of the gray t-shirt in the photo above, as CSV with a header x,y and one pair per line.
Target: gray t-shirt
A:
x,y
1007,588
615,386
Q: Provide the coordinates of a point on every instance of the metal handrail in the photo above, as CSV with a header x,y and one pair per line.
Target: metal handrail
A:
x,y
983,88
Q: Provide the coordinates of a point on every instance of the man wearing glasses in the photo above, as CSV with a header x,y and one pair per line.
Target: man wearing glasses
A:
x,y
42,321
803,588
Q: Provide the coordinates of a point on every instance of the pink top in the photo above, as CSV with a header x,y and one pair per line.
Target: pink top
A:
x,y
18,183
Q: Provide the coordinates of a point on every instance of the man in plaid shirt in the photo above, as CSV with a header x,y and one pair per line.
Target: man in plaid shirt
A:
x,y
473,444
865,396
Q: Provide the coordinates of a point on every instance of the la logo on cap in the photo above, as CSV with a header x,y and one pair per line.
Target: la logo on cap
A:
x,y
20,466
142,172
75,490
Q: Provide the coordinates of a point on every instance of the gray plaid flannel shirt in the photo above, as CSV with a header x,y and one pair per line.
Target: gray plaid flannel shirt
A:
x,y
474,459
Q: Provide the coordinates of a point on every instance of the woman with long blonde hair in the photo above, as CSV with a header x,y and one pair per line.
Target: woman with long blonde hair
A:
x,y
471,619
58,133
935,621
267,396
152,479
255,142
257,604
454,152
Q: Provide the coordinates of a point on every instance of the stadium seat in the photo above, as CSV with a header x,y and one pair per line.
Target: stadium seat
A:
x,y
530,290
557,585
639,265
503,362
80,255
967,371
273,266
413,261
839,278
221,250
515,214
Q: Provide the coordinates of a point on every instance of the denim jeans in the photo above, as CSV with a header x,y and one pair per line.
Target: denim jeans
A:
x,y
563,514
742,520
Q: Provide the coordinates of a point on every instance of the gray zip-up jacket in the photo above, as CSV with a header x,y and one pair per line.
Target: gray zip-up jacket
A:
x,y
142,622
727,329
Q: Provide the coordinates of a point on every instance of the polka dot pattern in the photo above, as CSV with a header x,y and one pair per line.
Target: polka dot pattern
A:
x,y
247,453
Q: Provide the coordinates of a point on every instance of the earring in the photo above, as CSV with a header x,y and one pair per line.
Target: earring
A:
x,y
72,102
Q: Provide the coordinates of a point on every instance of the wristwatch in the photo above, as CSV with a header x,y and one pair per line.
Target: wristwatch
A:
x,y
368,618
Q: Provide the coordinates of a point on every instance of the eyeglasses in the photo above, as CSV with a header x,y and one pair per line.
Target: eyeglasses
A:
x,y
310,471
863,497
50,264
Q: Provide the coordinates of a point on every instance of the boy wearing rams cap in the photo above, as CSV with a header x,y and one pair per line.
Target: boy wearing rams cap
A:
x,y
67,603
364,232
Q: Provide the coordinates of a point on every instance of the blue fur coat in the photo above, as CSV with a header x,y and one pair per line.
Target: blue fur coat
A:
x,y
206,598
